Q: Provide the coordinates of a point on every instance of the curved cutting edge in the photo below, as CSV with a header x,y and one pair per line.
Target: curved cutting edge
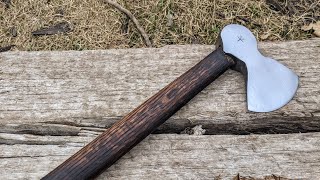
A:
x,y
270,85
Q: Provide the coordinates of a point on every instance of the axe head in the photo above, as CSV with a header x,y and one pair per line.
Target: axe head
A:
x,y
270,85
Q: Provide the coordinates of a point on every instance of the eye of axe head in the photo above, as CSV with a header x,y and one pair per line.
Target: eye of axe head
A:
x,y
270,85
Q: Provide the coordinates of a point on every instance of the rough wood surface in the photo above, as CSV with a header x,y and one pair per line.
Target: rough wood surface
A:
x,y
69,93
174,156
52,103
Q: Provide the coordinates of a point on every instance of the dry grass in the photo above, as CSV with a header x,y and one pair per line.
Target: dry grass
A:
x,y
96,25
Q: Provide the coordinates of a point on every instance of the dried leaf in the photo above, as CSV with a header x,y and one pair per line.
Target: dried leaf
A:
x,y
314,26
170,20
7,3
6,48
265,36
13,31
62,27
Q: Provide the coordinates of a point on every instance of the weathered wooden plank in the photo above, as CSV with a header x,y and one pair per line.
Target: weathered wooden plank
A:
x,y
53,93
76,95
174,156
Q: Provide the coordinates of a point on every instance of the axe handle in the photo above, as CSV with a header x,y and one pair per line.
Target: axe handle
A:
x,y
107,148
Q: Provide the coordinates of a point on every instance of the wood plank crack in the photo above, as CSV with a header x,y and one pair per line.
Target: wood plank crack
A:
x,y
67,93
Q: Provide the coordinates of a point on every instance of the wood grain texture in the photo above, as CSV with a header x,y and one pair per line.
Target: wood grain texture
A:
x,y
74,93
117,140
53,103
174,156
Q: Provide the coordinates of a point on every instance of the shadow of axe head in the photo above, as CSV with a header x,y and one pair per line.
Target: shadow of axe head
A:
x,y
270,84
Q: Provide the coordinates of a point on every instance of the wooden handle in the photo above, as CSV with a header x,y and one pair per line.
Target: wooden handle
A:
x,y
107,148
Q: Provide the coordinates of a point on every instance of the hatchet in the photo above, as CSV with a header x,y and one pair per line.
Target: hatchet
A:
x,y
270,85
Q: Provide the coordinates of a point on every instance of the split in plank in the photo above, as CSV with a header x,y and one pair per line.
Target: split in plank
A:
x,y
74,92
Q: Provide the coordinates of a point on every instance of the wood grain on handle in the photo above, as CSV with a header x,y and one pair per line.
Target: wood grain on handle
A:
x,y
107,148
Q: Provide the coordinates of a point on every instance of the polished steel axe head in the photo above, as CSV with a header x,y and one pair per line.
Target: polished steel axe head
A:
x,y
270,85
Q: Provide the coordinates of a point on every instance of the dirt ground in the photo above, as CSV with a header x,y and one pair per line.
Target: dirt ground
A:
x,y
94,24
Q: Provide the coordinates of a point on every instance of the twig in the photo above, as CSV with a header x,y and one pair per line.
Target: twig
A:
x,y
133,19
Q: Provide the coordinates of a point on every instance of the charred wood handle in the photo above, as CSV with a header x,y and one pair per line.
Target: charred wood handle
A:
x,y
107,148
